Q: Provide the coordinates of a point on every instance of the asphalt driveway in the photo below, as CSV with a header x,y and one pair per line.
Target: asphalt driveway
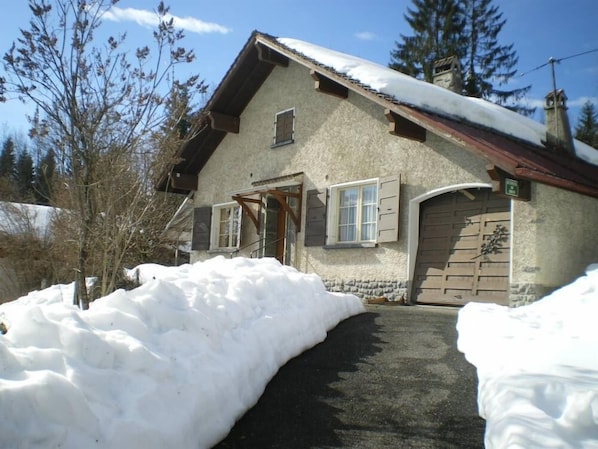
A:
x,y
389,378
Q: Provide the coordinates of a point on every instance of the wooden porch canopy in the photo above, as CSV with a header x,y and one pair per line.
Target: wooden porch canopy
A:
x,y
278,188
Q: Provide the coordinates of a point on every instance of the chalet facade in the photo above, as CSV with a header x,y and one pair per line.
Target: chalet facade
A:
x,y
380,190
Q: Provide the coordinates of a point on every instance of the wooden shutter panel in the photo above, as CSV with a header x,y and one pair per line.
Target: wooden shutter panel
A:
x,y
315,219
202,217
284,126
388,209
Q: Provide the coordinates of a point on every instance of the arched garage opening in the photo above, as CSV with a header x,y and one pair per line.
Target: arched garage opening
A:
x,y
459,246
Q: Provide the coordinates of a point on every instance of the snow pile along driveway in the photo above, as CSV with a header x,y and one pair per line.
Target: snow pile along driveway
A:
x,y
173,363
537,368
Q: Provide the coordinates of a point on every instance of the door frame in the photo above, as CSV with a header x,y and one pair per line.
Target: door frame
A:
x,y
278,243
413,226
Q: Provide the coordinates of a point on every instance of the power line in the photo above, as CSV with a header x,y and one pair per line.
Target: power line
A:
x,y
552,61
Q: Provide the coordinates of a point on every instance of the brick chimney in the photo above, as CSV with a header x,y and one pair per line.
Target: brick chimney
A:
x,y
447,74
558,129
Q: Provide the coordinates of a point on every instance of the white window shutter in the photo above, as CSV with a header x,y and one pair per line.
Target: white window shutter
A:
x,y
332,224
388,209
240,218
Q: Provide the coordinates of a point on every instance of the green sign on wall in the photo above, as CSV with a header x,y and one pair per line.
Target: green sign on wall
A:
x,y
511,187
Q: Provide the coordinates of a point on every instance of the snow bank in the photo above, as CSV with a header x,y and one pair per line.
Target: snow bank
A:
x,y
173,363
537,368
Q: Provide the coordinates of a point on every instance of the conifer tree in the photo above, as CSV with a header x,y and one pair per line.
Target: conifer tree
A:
x,y
7,159
7,170
488,64
437,26
44,178
468,29
587,126
24,176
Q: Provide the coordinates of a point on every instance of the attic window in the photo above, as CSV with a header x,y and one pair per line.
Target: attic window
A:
x,y
284,128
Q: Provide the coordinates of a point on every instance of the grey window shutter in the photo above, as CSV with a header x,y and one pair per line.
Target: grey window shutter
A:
x,y
284,126
315,220
388,209
202,217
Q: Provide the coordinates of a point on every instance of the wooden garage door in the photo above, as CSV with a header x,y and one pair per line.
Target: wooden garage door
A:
x,y
464,249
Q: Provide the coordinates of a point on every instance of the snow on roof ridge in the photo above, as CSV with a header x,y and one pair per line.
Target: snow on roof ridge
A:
x,y
400,88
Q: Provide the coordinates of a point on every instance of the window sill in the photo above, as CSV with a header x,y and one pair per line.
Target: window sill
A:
x,y
282,144
351,245
223,250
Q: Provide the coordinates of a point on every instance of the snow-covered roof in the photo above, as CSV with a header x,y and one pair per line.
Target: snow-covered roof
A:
x,y
431,98
19,218
506,140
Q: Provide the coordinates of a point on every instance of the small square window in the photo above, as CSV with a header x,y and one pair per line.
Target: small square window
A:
x,y
284,128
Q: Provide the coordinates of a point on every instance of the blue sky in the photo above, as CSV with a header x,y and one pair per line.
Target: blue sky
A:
x,y
216,30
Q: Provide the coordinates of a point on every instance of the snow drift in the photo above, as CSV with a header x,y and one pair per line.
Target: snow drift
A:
x,y
173,363
537,367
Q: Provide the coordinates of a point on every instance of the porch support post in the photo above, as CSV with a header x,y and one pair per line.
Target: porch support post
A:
x,y
281,198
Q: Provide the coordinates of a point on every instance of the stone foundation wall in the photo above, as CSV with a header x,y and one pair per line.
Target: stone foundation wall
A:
x,y
522,294
367,289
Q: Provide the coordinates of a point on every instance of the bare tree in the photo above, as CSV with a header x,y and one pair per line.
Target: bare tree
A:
x,y
99,105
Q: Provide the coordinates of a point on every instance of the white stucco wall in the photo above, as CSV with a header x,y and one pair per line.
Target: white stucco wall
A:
x,y
345,140
555,237
336,141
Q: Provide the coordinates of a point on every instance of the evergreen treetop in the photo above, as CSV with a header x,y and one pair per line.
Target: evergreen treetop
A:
x,y
7,159
437,26
587,126
24,176
469,30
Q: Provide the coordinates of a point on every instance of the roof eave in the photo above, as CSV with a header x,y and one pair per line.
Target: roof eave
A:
x,y
240,83
500,150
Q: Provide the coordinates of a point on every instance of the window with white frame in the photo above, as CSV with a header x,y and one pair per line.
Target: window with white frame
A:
x,y
354,212
284,127
226,226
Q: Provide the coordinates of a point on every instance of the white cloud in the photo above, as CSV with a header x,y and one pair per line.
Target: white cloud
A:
x,y
365,36
580,101
537,103
571,102
149,18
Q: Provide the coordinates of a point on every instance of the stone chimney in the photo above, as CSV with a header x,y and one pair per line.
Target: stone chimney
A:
x,y
558,130
447,74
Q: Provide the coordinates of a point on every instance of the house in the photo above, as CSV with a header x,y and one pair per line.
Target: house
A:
x,y
177,232
384,185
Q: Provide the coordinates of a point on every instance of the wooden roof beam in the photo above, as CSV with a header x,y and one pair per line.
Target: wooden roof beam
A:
x,y
267,54
224,122
183,181
326,85
508,185
400,126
